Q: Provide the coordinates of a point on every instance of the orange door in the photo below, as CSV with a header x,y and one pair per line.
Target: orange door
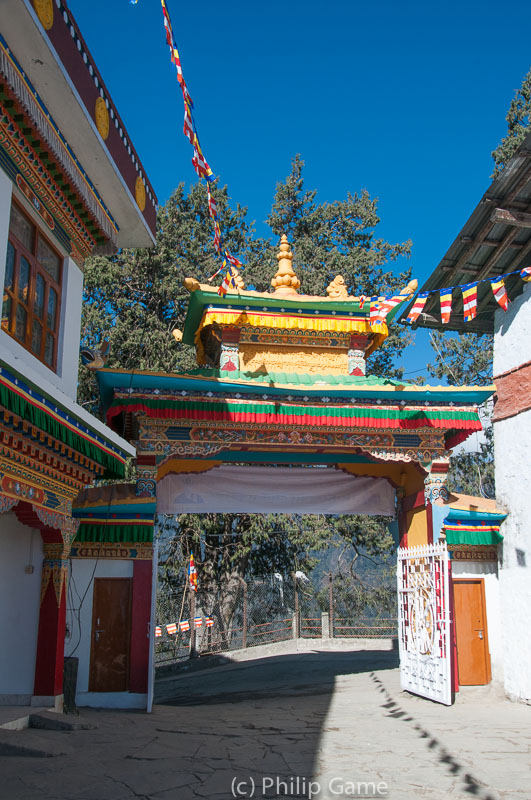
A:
x,y
473,659
111,624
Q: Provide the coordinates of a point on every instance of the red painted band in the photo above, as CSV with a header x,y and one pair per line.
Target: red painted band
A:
x,y
513,393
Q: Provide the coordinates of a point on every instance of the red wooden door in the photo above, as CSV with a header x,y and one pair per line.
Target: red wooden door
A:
x,y
111,630
473,659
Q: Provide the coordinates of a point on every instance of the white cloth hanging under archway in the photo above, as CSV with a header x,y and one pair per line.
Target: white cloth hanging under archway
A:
x,y
274,490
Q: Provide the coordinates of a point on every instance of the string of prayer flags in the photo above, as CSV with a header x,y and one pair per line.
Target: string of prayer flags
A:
x,y
470,301
469,291
199,161
233,261
158,631
227,283
200,164
184,625
192,574
172,627
217,239
212,205
417,306
170,39
209,622
198,621
374,312
446,304
500,293
388,304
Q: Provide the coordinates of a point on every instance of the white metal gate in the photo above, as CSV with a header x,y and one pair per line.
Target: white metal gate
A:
x,y
424,621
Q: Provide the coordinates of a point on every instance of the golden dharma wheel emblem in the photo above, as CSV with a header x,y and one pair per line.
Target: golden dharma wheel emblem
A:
x,y
140,193
101,115
44,11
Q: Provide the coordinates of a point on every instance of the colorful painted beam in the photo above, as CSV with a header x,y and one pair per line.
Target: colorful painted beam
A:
x,y
27,401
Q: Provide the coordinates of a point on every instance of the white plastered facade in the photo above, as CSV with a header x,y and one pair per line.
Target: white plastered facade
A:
x,y
512,445
20,587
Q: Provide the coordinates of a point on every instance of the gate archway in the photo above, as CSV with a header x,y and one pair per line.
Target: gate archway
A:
x,y
282,382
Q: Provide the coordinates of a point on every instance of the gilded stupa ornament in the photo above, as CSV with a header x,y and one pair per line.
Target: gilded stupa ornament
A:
x,y
285,281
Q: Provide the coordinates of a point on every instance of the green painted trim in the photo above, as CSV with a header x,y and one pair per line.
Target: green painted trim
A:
x,y
114,533
468,537
24,409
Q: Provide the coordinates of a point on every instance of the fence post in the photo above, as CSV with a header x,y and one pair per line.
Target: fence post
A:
x,y
244,637
296,616
330,606
193,650
325,625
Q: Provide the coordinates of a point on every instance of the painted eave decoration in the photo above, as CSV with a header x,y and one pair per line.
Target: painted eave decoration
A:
x,y
296,312
472,521
114,514
343,403
45,40
20,397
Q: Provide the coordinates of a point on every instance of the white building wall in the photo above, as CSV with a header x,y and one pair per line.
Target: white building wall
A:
x,y
512,448
489,573
20,592
69,329
512,444
512,333
79,628
65,378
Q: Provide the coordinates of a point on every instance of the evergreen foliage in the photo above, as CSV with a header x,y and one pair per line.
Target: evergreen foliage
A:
x,y
518,122
136,298
462,359
466,359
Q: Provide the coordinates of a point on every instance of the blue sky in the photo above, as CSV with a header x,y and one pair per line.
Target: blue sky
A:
x,y
406,100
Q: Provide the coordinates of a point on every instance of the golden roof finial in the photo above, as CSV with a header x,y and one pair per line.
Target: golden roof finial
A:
x,y
285,281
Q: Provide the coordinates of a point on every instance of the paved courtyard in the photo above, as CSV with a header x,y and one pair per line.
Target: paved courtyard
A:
x,y
325,724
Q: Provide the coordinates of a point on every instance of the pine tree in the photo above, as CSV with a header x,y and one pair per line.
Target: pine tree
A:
x,y
518,122
338,238
136,298
466,359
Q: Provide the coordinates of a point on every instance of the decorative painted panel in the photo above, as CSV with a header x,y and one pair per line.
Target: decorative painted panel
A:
x,y
424,621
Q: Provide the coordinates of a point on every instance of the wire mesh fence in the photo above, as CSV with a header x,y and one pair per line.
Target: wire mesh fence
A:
x,y
262,611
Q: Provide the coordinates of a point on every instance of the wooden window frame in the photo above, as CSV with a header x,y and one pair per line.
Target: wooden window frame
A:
x,y
36,269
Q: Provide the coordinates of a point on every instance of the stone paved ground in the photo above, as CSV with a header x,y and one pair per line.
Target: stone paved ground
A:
x,y
335,718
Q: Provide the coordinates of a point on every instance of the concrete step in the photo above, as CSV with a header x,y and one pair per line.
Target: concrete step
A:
x,y
26,743
49,721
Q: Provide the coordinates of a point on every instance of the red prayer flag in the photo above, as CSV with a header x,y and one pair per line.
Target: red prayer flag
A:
x,y
192,574
500,292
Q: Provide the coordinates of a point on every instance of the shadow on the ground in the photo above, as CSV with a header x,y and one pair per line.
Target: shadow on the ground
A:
x,y
273,714
470,784
287,674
